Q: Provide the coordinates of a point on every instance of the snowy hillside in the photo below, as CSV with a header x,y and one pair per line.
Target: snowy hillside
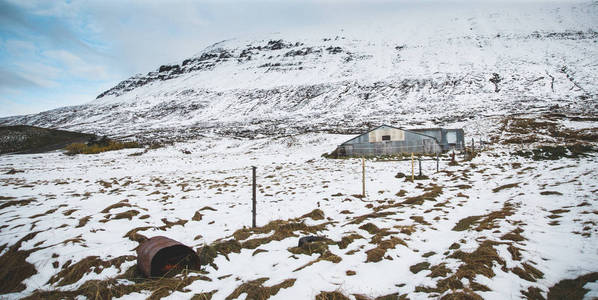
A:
x,y
428,65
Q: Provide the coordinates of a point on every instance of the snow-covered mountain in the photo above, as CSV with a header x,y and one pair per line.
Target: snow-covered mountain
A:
x,y
425,66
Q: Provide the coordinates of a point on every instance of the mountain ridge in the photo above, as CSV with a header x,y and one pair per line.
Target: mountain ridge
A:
x,y
463,68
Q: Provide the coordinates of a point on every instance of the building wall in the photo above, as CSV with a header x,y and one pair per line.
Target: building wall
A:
x,y
400,141
448,138
453,139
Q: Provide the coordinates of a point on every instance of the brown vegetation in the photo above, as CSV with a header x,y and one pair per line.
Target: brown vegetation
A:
x,y
82,148
123,203
430,193
331,296
571,288
15,268
113,288
419,267
485,222
255,289
16,203
73,273
506,186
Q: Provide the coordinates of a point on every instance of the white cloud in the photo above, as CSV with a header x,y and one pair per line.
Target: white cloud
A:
x,y
12,104
41,74
75,66
19,47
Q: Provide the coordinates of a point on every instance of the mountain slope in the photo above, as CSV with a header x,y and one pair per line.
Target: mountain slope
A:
x,y
458,65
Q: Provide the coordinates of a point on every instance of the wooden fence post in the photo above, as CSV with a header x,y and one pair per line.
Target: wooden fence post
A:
x,y
420,166
363,176
254,210
437,161
412,168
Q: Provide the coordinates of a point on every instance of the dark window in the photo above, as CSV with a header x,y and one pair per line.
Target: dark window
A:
x,y
386,137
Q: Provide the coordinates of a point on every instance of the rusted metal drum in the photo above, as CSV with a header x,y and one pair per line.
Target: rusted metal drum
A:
x,y
157,255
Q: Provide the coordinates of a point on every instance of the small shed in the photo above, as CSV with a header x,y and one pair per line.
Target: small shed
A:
x,y
387,140
449,139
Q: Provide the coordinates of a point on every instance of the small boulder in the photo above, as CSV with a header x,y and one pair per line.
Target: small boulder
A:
x,y
309,239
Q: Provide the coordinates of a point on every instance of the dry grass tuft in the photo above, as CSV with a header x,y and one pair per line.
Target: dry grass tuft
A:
x,y
204,296
375,215
419,267
208,208
528,272
331,296
73,273
420,220
69,212
369,227
320,247
258,251
255,289
514,235
15,268
327,255
465,223
439,270
376,254
113,288
83,221
44,213
394,296
208,253
515,252
506,186
479,262
197,216
169,224
129,214
81,148
571,288
16,203
133,234
123,203
430,193
347,240
428,254
546,193
315,214
485,222
462,296
533,293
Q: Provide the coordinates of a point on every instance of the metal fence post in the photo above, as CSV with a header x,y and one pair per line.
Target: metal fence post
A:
x,y
254,210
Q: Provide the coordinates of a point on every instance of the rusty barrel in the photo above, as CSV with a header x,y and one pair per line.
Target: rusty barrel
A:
x,y
157,255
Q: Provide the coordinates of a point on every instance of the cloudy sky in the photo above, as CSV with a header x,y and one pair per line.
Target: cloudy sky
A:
x,y
58,53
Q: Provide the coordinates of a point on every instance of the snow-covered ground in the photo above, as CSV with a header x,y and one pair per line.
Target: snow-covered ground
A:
x,y
538,214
